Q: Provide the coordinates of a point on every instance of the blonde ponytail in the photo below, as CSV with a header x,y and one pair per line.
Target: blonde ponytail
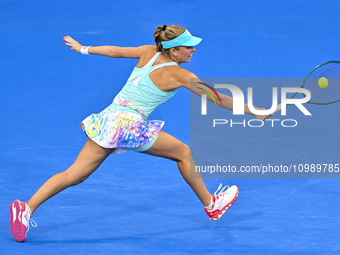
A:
x,y
170,33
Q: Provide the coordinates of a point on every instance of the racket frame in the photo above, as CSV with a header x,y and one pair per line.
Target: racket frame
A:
x,y
278,108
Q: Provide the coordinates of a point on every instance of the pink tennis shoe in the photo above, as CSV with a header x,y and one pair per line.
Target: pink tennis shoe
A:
x,y
20,218
222,201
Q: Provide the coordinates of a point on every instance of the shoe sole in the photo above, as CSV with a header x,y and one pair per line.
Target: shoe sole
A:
x,y
17,228
226,207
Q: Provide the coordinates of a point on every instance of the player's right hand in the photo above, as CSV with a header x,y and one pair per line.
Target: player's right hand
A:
x,y
263,117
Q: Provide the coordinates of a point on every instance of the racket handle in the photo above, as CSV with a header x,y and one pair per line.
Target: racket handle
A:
x,y
278,108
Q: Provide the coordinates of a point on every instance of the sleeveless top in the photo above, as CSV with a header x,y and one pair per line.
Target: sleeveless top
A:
x,y
124,124
139,92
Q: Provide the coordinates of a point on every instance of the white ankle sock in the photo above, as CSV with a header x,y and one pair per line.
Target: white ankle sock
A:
x,y
29,209
211,204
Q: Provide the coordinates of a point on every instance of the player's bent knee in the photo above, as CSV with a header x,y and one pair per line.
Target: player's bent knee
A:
x,y
77,181
74,179
184,152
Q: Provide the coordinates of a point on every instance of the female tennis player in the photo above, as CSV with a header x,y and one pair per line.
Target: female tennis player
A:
x,y
124,125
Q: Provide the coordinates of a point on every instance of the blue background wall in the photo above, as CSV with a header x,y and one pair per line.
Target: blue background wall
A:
x,y
135,203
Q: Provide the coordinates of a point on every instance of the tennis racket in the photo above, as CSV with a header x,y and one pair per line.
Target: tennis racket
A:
x,y
322,96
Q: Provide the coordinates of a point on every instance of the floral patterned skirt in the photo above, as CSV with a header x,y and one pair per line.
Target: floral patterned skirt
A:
x,y
120,127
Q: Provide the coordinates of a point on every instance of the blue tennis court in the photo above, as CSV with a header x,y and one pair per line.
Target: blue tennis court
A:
x,y
138,204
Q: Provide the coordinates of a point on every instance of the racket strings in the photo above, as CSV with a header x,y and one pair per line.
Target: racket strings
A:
x,y
331,93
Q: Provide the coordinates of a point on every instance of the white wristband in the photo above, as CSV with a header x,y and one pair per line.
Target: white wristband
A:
x,y
85,50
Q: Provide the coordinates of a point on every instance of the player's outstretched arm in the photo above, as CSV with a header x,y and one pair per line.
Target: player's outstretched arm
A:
x,y
193,83
109,51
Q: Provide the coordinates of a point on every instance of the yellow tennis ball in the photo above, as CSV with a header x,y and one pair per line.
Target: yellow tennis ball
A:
x,y
323,82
